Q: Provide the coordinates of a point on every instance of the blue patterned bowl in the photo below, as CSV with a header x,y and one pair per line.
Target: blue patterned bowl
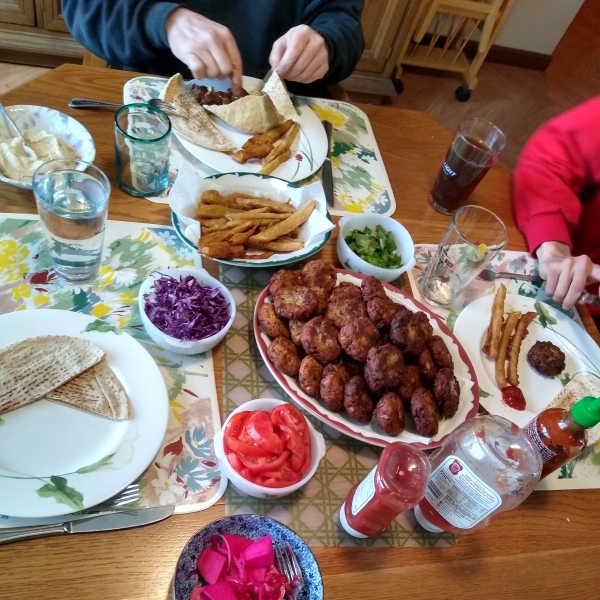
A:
x,y
252,527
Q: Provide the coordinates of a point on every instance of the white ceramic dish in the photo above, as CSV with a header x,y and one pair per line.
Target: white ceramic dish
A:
x,y
308,151
351,261
258,491
581,352
40,118
54,459
173,344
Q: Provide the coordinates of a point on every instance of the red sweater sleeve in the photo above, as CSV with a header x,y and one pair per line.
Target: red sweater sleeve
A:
x,y
558,161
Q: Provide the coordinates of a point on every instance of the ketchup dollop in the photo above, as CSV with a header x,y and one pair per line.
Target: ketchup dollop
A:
x,y
513,397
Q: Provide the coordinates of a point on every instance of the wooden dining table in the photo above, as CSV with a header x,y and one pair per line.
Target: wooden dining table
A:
x,y
545,549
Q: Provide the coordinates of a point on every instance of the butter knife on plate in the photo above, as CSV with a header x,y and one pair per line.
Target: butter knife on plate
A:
x,y
108,522
327,172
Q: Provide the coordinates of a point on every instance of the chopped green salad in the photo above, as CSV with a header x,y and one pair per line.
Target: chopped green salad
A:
x,y
376,247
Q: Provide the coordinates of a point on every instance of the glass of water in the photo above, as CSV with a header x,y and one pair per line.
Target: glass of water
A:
x,y
474,236
72,201
142,149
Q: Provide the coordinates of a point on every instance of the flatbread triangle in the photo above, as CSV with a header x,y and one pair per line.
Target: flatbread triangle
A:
x,y
276,90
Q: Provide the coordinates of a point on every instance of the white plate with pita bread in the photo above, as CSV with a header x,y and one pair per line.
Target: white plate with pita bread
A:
x,y
56,457
582,355
212,140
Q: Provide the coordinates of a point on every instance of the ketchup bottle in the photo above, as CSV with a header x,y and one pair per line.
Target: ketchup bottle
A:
x,y
396,484
560,434
484,467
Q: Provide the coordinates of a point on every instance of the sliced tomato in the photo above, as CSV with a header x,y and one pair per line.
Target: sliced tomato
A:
x,y
282,477
235,426
288,414
295,444
260,429
234,461
262,465
248,449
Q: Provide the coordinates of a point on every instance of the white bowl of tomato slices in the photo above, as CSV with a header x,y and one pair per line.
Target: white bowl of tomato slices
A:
x,y
268,449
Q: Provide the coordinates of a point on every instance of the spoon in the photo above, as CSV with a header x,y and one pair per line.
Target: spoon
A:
x,y
30,153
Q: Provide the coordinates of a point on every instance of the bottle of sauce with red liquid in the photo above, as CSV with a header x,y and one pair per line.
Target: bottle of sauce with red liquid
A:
x,y
486,466
396,484
560,434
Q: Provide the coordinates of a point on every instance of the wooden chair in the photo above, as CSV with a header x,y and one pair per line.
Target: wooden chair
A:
x,y
91,60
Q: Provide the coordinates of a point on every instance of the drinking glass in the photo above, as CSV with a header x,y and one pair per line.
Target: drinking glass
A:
x,y
476,147
142,149
72,201
474,236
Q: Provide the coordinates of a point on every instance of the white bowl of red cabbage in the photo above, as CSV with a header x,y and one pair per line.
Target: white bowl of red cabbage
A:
x,y
185,311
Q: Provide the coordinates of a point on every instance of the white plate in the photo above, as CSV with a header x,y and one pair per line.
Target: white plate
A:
x,y
582,354
48,440
370,433
40,118
308,151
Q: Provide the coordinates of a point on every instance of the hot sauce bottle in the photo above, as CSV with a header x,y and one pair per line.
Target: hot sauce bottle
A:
x,y
396,484
560,434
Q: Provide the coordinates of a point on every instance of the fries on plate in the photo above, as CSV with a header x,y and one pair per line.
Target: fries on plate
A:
x,y
515,347
491,346
509,326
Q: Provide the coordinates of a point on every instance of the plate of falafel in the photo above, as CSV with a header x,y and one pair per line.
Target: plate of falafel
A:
x,y
363,357
555,349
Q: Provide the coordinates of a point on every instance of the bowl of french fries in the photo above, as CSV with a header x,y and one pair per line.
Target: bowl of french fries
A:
x,y
249,219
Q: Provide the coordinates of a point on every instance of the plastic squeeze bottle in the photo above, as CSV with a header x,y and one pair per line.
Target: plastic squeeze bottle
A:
x,y
394,485
484,467
560,434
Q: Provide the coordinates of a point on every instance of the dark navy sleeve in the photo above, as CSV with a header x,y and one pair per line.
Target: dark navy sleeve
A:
x,y
123,32
338,21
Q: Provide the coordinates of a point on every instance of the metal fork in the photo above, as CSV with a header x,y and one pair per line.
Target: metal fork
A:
x,y
129,495
166,107
288,565
490,275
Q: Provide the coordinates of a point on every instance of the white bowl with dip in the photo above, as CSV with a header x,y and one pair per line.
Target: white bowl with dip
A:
x,y
173,344
351,261
33,120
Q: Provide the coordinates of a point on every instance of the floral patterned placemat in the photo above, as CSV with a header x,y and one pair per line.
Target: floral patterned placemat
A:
x,y
361,183
185,471
584,471
312,512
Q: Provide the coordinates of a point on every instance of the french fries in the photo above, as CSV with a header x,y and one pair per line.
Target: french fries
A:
x,y
221,250
283,149
278,160
492,341
284,227
511,322
515,347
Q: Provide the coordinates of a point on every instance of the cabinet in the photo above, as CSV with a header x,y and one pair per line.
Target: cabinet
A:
x,y
53,19
19,12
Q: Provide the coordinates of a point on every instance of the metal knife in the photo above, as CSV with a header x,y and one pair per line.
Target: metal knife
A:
x,y
88,103
108,522
327,173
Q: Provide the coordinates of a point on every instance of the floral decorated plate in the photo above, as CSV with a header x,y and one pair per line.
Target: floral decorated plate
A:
x,y
308,151
56,460
581,352
35,119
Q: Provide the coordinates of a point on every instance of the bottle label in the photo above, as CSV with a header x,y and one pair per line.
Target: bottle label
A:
x,y
364,492
532,431
459,495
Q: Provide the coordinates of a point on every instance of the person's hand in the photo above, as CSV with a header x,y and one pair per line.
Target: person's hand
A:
x,y
566,276
207,48
300,55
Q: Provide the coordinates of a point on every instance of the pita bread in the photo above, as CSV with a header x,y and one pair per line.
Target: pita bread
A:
x,y
97,391
579,387
34,367
197,127
276,90
252,113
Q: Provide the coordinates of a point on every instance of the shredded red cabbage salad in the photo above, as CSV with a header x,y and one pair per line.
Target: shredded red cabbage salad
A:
x,y
185,309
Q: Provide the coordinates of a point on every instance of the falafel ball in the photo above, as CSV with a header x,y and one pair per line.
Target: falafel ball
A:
x,y
322,297
283,279
332,385
389,413
342,307
357,403
546,358
410,380
426,365
446,392
318,273
439,351
383,369
309,375
371,288
320,337
353,367
346,288
424,412
296,302
407,333
296,326
270,323
357,337
284,356
381,311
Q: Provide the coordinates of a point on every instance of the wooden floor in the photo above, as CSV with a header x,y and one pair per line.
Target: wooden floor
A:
x,y
517,100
